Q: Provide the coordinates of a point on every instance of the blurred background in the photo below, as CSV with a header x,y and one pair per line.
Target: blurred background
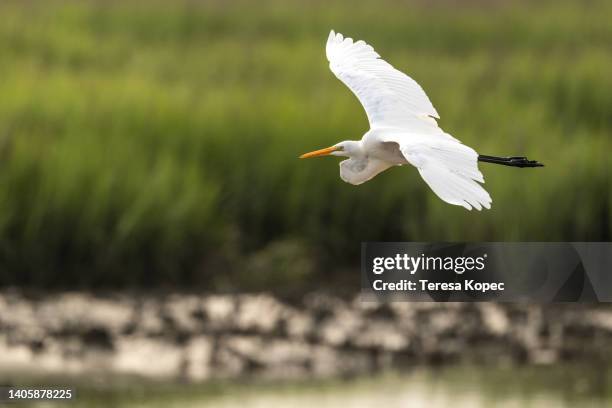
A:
x,y
148,159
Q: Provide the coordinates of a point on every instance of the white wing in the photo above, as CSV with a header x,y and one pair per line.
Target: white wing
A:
x,y
389,97
449,168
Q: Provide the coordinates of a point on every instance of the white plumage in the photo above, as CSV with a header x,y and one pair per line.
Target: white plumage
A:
x,y
403,128
389,96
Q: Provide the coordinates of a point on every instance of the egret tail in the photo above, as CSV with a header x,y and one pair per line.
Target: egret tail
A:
x,y
510,161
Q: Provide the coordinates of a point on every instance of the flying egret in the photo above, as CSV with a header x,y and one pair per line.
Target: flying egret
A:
x,y
403,130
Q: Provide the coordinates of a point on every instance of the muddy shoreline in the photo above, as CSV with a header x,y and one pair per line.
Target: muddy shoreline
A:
x,y
201,337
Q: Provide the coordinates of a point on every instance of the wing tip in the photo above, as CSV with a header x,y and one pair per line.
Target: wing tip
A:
x,y
478,205
333,39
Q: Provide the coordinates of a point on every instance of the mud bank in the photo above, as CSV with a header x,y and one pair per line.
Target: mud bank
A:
x,y
196,338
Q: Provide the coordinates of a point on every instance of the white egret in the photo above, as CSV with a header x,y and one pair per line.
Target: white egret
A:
x,y
403,130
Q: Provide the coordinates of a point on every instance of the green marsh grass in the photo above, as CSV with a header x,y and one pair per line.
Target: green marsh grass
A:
x,y
156,143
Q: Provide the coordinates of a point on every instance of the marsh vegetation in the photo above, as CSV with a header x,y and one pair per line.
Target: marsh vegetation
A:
x,y
148,143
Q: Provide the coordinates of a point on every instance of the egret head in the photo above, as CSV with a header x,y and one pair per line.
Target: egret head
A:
x,y
348,148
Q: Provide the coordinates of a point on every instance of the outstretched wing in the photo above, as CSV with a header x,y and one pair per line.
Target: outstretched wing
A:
x,y
389,97
450,169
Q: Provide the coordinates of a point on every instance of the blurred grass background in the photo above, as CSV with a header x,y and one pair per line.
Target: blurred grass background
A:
x,y
155,143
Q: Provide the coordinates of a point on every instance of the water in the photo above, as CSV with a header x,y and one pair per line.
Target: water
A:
x,y
459,386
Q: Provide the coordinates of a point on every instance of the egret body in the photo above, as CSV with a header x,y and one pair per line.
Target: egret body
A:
x,y
403,130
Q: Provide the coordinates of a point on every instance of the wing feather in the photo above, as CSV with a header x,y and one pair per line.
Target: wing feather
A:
x,y
450,169
389,97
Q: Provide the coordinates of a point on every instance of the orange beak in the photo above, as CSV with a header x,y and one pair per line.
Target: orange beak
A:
x,y
322,152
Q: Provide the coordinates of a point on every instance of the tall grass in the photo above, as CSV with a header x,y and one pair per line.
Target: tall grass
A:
x,y
155,143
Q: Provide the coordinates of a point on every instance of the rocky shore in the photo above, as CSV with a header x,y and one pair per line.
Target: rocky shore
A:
x,y
196,338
